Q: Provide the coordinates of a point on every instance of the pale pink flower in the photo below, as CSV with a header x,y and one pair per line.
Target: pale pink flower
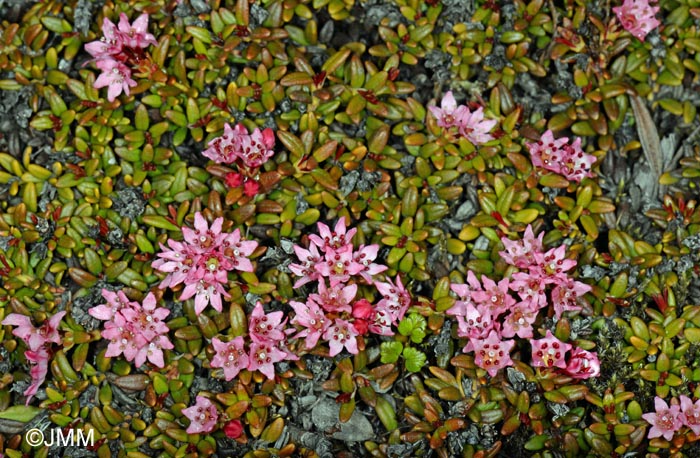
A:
x,y
531,287
549,352
567,294
136,35
519,321
122,338
263,356
473,322
265,327
224,149
341,334
148,318
638,17
494,296
310,317
381,322
307,269
231,356
256,148
177,261
521,253
473,126
583,364
115,303
449,113
203,238
206,291
115,75
546,150
492,353
364,256
109,45
555,264
203,416
335,298
337,239
665,421
396,299
153,351
338,265
690,414
575,165
35,338
237,251
560,157
40,368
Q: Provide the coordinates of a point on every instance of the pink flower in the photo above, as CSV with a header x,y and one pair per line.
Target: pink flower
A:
x,y
233,429
492,353
206,291
339,335
380,323
494,297
338,239
566,294
153,351
224,149
237,251
364,256
265,327
338,265
115,75
309,316
637,17
122,338
230,356
40,368
549,352
519,321
307,269
555,263
335,298
203,238
362,309
135,35
583,364
521,253
665,421
263,356
690,414
396,299
109,45
449,113
473,322
560,157
35,338
115,303
203,416
256,148
474,128
177,262
530,286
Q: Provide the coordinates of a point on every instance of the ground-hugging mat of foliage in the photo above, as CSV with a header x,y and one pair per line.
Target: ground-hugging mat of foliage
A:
x,y
346,228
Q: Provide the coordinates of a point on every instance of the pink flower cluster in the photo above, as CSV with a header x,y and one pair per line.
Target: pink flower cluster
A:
x,y
561,157
638,17
667,421
38,341
120,45
488,315
135,330
332,313
202,415
267,336
247,151
203,260
470,125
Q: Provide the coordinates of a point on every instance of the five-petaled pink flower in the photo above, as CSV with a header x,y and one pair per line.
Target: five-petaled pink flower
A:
x,y
549,352
561,157
665,421
231,356
203,416
116,76
341,334
35,338
309,316
475,128
492,353
449,114
136,35
40,368
690,414
638,17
